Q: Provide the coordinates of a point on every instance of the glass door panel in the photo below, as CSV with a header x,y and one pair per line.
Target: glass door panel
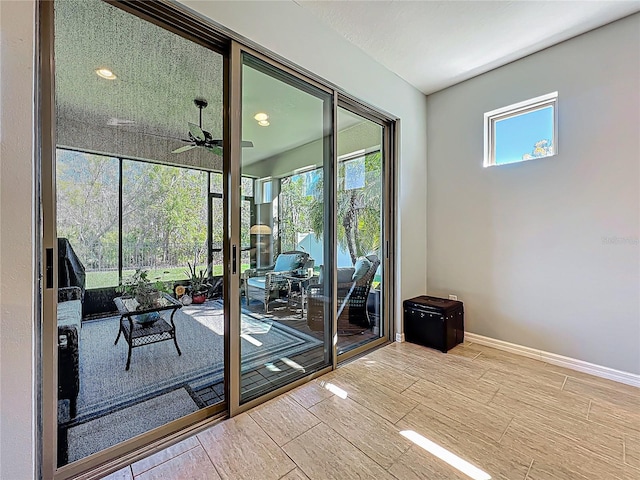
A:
x,y
285,325
216,261
360,231
248,218
133,195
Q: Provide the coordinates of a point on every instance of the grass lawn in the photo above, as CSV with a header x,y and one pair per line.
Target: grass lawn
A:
x,y
110,278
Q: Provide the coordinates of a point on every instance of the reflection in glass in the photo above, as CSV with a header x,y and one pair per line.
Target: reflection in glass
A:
x,y
360,194
283,337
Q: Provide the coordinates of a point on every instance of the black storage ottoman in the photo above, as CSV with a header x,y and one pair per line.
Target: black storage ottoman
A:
x,y
434,322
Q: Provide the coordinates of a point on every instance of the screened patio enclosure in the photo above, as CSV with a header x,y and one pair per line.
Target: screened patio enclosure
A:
x,y
122,214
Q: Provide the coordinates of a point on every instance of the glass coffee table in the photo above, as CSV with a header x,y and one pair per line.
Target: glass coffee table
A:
x,y
138,333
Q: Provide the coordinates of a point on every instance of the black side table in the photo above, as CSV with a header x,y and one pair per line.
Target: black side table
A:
x,y
299,297
139,334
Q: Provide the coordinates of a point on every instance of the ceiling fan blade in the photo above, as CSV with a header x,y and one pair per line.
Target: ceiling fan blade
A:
x,y
218,143
216,150
184,149
197,132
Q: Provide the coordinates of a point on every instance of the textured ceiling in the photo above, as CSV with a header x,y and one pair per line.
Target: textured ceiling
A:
x,y
159,73
145,111
436,44
158,76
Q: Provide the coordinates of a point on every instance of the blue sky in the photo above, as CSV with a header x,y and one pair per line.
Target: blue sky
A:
x,y
516,136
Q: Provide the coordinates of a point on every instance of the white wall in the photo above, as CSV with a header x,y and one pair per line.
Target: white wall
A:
x,y
281,26
525,245
293,33
17,387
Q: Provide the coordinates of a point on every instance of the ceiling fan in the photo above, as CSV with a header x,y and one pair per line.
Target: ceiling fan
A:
x,y
201,138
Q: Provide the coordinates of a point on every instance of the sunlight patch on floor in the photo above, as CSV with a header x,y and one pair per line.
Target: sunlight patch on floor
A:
x,y
253,326
213,319
208,320
446,456
334,389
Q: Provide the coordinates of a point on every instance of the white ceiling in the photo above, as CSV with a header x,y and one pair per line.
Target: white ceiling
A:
x,y
436,44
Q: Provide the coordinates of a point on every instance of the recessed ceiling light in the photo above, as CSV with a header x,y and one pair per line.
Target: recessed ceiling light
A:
x,y
261,117
264,123
106,73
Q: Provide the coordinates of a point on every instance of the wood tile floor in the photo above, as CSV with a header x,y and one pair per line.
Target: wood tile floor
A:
x,y
408,412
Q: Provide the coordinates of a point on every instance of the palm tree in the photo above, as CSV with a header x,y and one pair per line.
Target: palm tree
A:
x,y
359,210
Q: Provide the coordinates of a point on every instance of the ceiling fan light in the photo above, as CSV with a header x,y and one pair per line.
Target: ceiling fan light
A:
x,y
106,73
261,117
264,123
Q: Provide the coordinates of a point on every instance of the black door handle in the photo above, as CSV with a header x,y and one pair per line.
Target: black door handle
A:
x,y
234,255
49,268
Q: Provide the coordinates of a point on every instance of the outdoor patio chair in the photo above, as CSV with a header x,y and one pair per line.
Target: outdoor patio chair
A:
x,y
354,284
268,284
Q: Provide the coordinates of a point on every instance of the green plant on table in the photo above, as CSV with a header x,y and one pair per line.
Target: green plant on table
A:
x,y
146,291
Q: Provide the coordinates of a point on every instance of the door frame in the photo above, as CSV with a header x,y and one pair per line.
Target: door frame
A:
x,y
232,175
388,222
178,22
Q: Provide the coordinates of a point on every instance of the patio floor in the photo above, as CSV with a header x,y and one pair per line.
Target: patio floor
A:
x,y
98,427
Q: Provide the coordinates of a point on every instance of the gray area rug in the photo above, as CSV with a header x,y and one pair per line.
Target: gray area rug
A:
x,y
109,430
156,369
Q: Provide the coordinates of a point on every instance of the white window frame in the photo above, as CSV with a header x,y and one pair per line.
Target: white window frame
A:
x,y
526,106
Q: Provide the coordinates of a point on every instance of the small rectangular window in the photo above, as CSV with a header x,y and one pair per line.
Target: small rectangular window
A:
x,y
522,131
354,174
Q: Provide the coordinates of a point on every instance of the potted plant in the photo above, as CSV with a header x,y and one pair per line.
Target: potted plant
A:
x,y
198,282
145,291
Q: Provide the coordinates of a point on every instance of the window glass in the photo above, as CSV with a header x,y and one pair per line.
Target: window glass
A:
x,y
289,123
525,136
87,210
522,131
354,174
247,186
359,231
164,219
137,97
216,183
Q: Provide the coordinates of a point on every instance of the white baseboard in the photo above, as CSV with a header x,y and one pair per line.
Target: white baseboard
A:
x,y
399,337
555,359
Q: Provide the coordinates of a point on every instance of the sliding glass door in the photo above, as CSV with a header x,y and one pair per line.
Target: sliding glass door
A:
x,y
285,312
361,235
139,123
216,227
